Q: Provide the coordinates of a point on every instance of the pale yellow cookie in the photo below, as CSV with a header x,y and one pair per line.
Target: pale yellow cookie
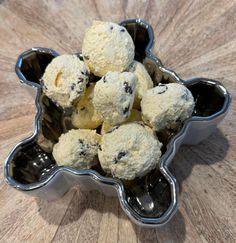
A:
x,y
144,81
129,151
65,79
85,116
166,106
135,115
107,47
114,96
77,148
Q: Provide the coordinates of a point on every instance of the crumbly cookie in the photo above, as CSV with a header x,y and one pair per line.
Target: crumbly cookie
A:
x,y
166,106
144,81
129,151
135,115
114,95
85,115
107,47
77,148
65,79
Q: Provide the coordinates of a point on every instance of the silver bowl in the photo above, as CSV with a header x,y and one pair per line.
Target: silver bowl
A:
x,y
148,201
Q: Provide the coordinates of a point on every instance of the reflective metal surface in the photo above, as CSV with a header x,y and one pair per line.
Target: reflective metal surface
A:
x,y
148,201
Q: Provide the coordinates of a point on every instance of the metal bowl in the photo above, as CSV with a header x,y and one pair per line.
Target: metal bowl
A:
x,y
148,201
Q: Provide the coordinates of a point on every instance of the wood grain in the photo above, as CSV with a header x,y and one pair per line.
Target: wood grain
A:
x,y
193,38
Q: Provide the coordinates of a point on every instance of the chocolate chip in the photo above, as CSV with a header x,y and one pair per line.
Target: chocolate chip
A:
x,y
128,88
86,57
82,153
119,156
126,109
72,86
85,73
132,67
81,89
80,80
81,141
113,129
122,30
111,27
141,124
164,90
178,120
104,80
43,85
83,108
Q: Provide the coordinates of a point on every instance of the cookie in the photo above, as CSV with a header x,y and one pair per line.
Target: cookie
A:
x,y
135,115
129,151
77,148
107,47
85,115
166,106
65,79
144,81
114,96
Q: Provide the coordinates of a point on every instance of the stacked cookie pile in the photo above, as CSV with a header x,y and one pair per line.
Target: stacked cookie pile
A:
x,y
123,102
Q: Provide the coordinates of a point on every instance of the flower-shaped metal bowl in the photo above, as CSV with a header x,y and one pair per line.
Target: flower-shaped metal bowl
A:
x,y
149,201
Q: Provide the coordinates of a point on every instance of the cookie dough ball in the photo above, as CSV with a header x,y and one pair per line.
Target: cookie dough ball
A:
x,y
114,96
144,81
77,148
85,115
107,47
135,115
65,79
129,151
166,106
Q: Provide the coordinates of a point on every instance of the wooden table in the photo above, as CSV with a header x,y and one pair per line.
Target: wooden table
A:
x,y
193,38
